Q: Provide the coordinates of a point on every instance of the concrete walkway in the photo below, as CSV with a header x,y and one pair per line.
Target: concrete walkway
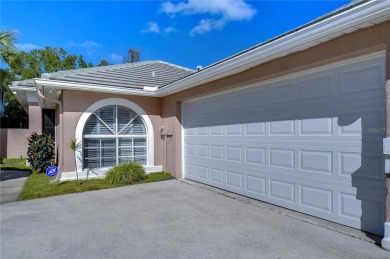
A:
x,y
169,219
11,184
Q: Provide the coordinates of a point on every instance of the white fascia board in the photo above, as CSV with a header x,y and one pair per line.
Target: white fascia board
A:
x,y
88,87
361,16
22,88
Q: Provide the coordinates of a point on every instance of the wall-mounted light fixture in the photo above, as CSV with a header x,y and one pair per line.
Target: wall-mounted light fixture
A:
x,y
161,128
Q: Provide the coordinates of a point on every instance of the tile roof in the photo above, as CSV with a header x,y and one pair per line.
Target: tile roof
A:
x,y
131,75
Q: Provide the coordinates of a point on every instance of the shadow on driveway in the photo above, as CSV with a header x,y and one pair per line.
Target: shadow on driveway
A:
x,y
6,175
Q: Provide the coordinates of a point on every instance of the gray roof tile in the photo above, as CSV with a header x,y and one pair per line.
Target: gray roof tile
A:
x,y
130,75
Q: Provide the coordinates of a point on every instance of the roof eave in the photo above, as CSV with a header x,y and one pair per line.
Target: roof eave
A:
x,y
65,85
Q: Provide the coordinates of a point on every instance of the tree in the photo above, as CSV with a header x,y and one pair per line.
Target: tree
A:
x,y
103,63
134,56
14,111
9,58
8,53
82,64
31,65
47,60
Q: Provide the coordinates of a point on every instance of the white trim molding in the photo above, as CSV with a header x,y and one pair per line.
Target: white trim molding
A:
x,y
386,238
89,87
122,102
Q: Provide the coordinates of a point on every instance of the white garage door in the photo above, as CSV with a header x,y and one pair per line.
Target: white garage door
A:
x,y
310,142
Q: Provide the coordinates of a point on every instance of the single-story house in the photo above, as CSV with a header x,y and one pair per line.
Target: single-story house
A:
x,y
299,121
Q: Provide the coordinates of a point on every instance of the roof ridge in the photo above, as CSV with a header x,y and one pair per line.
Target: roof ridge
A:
x,y
180,67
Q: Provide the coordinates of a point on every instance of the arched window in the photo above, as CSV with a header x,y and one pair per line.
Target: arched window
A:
x,y
114,134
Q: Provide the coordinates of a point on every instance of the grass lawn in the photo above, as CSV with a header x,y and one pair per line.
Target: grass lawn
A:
x,y
39,186
18,164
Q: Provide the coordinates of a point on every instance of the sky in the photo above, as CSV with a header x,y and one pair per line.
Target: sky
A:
x,y
186,32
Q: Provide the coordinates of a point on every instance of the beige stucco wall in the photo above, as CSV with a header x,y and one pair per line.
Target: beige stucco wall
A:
x,y
352,45
17,138
76,102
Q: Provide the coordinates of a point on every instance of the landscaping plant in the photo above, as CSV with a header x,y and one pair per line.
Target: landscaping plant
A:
x,y
38,186
126,173
74,146
40,151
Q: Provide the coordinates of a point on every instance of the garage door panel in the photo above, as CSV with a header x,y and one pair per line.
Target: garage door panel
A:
x,y
255,129
282,94
202,172
282,128
346,125
282,158
282,190
234,179
255,155
336,107
315,87
316,198
316,161
315,127
311,143
233,130
216,131
256,184
320,162
217,176
361,78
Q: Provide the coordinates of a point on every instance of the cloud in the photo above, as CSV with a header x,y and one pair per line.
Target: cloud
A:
x,y
169,30
27,46
115,57
225,10
152,27
87,44
207,25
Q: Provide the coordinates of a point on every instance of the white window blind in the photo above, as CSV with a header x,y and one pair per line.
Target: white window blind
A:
x,y
114,134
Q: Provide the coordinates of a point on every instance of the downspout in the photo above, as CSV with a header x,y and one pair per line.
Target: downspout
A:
x,y
61,138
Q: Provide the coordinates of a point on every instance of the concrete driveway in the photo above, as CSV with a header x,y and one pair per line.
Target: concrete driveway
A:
x,y
169,219
11,184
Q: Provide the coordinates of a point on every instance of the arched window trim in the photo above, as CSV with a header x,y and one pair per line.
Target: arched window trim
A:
x,y
121,102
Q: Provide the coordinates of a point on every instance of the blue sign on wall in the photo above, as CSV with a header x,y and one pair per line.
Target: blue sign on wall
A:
x,y
51,171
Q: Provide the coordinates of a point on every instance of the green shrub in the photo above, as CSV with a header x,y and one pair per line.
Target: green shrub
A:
x,y
40,151
126,173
